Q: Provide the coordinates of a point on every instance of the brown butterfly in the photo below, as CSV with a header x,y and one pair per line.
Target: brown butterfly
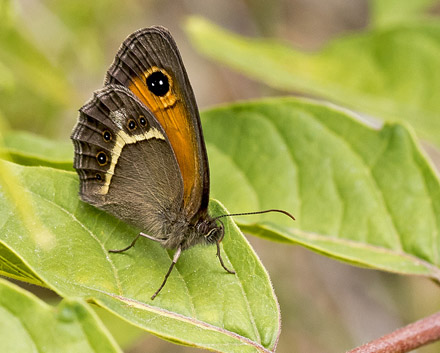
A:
x,y
139,148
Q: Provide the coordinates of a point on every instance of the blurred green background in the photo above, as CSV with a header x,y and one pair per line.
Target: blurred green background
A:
x,y
54,54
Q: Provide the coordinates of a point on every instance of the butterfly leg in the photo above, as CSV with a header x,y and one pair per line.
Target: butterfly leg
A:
x,y
134,242
221,260
175,258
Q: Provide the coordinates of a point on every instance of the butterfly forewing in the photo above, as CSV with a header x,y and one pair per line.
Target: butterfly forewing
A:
x,y
149,65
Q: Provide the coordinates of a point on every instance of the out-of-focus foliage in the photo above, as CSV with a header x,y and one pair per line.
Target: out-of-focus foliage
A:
x,y
45,49
388,12
391,73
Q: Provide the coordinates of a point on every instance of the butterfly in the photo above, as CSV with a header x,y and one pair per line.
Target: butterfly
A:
x,y
139,148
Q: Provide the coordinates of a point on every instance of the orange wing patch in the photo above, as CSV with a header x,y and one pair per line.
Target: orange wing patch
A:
x,y
176,121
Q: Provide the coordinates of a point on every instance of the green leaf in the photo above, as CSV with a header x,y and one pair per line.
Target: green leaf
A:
x,y
29,325
364,196
125,334
29,149
13,266
391,73
387,12
10,263
201,305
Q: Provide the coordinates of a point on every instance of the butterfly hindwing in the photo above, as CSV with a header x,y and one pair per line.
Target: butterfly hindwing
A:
x,y
119,145
149,65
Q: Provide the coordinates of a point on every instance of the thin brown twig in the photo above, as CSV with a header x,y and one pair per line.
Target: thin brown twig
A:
x,y
405,339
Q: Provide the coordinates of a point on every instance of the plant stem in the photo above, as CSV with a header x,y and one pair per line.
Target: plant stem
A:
x,y
405,339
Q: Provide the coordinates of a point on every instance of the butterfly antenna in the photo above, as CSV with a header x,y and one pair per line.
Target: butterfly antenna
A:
x,y
256,212
239,214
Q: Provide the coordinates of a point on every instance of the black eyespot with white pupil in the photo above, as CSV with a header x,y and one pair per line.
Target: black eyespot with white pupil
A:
x,y
131,124
142,120
107,136
102,159
158,83
98,177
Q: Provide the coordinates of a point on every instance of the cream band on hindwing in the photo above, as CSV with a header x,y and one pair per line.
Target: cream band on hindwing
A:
x,y
121,140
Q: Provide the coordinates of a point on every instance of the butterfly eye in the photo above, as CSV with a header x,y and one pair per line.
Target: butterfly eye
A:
x,y
158,83
102,159
142,120
131,124
107,136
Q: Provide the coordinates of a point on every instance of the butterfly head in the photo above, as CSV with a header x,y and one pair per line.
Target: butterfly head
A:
x,y
212,230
